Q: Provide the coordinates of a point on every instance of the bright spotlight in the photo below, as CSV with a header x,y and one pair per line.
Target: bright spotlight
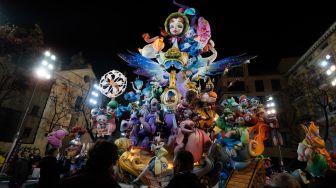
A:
x,y
270,98
96,86
94,93
328,56
44,62
268,112
41,72
333,68
48,76
328,72
273,111
53,57
92,101
333,83
50,66
324,63
47,53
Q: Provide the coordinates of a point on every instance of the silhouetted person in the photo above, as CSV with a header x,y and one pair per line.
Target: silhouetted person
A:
x,y
50,170
99,171
183,177
283,180
22,169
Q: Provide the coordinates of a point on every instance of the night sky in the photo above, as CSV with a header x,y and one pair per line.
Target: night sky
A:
x,y
100,29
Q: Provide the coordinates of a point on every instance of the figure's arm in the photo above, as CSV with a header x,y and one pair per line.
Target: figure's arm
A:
x,y
133,86
146,125
184,130
213,57
141,174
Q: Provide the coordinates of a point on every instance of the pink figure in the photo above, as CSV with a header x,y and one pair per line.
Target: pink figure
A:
x,y
55,138
203,32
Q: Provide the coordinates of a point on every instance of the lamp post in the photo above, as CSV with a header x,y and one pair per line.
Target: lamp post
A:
x,y
274,124
92,98
43,71
94,95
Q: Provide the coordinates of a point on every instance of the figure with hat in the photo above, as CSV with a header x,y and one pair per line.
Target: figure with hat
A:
x,y
312,149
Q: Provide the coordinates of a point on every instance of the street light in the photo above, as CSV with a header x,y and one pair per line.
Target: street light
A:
x,y
43,71
271,114
270,106
324,63
94,96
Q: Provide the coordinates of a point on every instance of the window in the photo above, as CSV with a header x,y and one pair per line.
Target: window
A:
x,y
9,121
276,86
78,102
236,72
237,86
34,111
26,132
259,85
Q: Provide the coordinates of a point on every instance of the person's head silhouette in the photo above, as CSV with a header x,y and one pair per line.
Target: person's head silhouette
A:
x,y
183,161
102,156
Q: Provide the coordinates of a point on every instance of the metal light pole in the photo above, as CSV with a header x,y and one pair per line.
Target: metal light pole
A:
x,y
43,71
277,140
94,101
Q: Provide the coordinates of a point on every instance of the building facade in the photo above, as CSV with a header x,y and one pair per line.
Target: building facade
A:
x,y
60,103
310,83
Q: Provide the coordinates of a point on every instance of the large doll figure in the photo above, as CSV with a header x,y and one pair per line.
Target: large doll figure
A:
x,y
176,25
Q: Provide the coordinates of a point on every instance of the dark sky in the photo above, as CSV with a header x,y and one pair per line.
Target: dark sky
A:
x,y
100,29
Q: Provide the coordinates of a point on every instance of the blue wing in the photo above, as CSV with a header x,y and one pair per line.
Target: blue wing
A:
x,y
218,67
200,67
144,67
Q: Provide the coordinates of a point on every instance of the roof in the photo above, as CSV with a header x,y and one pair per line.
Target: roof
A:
x,y
326,34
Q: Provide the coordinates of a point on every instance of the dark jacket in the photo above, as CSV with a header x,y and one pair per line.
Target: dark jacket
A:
x,y
90,179
22,169
184,180
49,173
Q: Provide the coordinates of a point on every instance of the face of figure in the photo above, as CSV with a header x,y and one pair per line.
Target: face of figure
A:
x,y
102,119
244,103
176,26
187,113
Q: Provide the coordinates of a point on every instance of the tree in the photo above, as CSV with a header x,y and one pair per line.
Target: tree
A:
x,y
310,87
19,48
60,104
86,111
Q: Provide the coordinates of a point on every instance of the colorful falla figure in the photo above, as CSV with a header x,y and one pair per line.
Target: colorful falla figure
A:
x,y
176,25
158,164
137,86
175,70
312,149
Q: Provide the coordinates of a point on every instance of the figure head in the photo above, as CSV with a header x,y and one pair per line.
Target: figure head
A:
x,y
243,101
102,119
183,161
187,113
138,83
176,24
102,156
